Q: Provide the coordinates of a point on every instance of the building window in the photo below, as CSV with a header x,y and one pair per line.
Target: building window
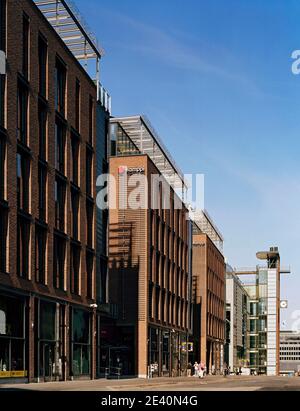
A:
x,y
89,171
2,167
75,197
12,335
91,120
75,145
59,262
60,86
43,57
75,268
80,344
2,100
89,273
25,46
22,113
77,105
23,242
42,191
60,199
42,116
3,25
3,238
90,223
23,176
40,254
60,144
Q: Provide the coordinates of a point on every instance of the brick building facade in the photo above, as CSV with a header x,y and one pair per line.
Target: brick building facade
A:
x,y
47,203
209,301
149,276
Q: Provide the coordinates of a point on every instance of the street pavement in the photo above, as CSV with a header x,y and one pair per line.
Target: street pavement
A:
x,y
210,383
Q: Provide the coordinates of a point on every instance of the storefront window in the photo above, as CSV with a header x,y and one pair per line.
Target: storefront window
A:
x,y
2,323
49,345
12,341
154,350
81,342
175,354
47,321
166,353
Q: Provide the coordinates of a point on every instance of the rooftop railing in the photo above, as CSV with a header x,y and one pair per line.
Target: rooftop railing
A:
x,y
104,97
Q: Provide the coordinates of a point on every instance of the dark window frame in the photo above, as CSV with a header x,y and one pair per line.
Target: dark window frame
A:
x,y
75,205
75,149
42,181
23,243
3,153
91,120
43,124
60,146
22,112
60,203
60,86
41,240
90,215
4,216
90,265
77,105
23,181
89,170
75,261
26,46
59,259
43,65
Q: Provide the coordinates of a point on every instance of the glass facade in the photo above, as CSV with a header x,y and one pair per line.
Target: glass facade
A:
x,y
48,341
81,343
168,355
12,338
121,144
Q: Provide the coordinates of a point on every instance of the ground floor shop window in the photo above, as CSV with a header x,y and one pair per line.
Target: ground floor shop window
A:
x,y
12,338
80,345
166,353
48,349
154,351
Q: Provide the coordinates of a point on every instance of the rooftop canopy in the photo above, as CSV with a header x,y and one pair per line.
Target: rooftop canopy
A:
x,y
203,223
66,19
143,135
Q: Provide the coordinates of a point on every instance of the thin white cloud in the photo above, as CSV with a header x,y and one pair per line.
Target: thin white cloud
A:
x,y
177,53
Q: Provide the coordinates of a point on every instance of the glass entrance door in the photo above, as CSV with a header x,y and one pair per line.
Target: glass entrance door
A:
x,y
47,361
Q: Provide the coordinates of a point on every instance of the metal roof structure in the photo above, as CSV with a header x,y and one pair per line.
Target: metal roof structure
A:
x,y
147,140
204,223
70,25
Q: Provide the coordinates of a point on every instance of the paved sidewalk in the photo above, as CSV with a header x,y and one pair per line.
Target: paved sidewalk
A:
x,y
210,383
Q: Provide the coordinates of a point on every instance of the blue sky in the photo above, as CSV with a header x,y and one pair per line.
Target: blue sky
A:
x,y
214,77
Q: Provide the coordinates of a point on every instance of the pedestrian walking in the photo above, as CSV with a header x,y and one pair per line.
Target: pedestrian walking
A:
x,y
201,371
196,369
189,369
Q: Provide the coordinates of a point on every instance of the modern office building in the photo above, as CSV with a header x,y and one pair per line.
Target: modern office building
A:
x,y
289,352
104,309
263,287
47,193
237,311
149,281
208,294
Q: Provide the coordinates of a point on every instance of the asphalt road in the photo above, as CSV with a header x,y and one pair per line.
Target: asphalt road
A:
x,y
210,383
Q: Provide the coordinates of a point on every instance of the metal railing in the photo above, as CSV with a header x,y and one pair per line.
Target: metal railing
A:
x,y
104,97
